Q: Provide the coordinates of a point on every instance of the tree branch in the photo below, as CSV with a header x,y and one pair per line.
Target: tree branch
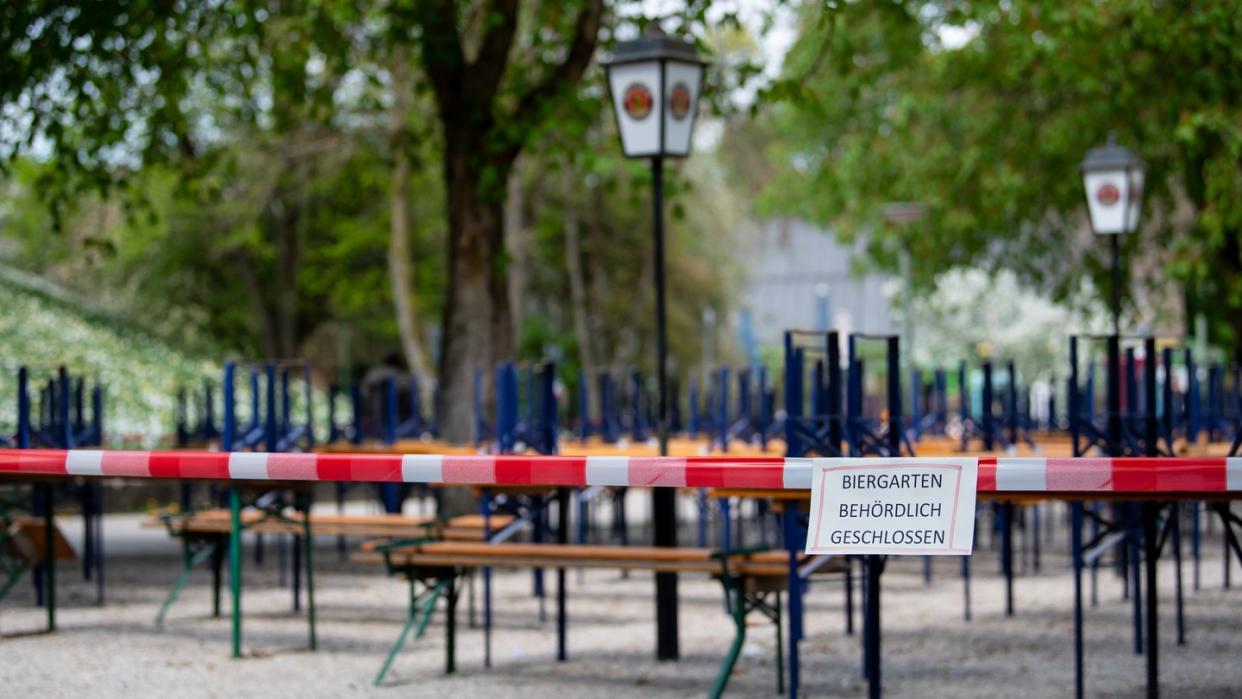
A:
x,y
568,72
500,21
443,60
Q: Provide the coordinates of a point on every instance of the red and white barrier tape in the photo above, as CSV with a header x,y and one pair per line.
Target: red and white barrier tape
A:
x,y
996,474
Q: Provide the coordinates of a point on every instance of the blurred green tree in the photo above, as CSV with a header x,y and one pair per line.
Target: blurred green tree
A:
x,y
982,112
265,175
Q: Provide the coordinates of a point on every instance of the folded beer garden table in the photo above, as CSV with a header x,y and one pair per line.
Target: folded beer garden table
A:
x,y
1151,481
205,536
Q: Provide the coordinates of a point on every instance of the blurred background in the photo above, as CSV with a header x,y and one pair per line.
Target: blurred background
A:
x,y
441,182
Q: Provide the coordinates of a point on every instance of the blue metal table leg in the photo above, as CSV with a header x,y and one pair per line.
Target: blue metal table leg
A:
x,y
282,559
297,573
340,510
562,526
620,522
1176,532
701,500
1135,544
1194,545
966,588
1151,546
540,519
36,573
584,513
1035,531
450,629
99,547
789,525
849,596
49,553
862,588
1123,550
872,623
217,562
1095,565
739,532
1076,557
88,533
780,651
485,507
1006,513
1225,560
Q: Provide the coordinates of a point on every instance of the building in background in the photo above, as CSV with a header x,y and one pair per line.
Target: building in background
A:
x,y
796,275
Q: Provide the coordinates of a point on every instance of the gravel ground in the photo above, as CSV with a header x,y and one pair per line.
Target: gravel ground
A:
x,y
929,651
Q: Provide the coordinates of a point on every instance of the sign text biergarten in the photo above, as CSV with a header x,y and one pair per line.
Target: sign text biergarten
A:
x,y
922,507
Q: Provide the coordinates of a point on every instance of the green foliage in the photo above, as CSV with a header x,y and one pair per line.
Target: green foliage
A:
x,y
988,136
222,175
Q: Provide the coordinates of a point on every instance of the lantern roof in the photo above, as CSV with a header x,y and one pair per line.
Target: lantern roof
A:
x,y
654,44
1110,156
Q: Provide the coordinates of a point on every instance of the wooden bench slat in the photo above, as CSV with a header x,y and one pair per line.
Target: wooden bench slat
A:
x,y
574,551
524,555
218,521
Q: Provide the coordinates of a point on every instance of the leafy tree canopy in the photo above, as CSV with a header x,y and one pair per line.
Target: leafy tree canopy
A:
x,y
987,131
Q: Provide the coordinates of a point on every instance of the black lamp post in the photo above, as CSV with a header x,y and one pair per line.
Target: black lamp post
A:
x,y
655,82
1113,179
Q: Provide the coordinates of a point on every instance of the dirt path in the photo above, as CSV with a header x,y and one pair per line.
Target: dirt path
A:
x,y
929,651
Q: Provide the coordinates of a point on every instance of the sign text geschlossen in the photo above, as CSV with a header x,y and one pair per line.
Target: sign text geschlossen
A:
x,y
882,506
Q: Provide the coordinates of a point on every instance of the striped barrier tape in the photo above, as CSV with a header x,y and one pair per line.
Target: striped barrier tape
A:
x,y
996,474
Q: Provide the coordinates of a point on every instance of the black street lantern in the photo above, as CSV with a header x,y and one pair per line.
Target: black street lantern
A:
x,y
1113,178
655,82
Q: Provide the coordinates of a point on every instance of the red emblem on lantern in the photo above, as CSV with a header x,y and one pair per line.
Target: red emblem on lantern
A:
x,y
679,101
637,101
1107,194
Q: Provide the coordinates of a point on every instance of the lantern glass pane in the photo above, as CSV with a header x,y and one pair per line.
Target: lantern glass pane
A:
x,y
635,101
1107,197
681,98
1135,198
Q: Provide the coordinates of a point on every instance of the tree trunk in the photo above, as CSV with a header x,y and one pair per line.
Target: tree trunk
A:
x,y
1230,277
480,145
400,266
639,336
600,276
478,330
288,223
578,300
517,244
266,320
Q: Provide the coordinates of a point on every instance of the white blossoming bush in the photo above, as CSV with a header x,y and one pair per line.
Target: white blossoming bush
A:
x,y
140,374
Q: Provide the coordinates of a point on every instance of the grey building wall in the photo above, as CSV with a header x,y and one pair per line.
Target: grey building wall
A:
x,y
785,262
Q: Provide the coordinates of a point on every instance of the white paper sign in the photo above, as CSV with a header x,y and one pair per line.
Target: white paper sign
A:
x,y
911,506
